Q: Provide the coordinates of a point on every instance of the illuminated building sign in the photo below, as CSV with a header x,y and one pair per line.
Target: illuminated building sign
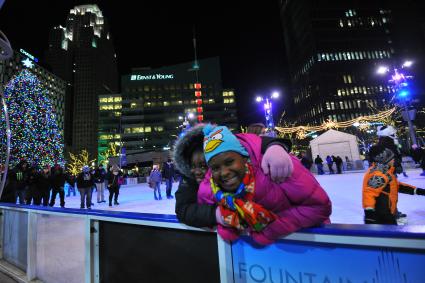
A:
x,y
28,55
151,77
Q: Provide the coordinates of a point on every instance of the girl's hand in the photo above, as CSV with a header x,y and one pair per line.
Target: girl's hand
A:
x,y
277,162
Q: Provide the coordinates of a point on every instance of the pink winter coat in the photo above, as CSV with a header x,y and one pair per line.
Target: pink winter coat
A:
x,y
299,202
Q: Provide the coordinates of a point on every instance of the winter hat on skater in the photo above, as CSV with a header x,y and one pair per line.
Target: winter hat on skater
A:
x,y
219,139
86,168
380,154
115,167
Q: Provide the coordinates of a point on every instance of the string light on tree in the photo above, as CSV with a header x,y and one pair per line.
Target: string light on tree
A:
x,y
35,133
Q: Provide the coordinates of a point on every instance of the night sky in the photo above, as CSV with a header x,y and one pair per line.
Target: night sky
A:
x,y
246,35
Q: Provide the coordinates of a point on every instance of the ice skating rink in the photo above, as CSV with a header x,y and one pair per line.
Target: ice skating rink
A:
x,y
344,190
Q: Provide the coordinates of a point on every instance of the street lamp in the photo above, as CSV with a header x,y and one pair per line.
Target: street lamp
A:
x,y
268,111
400,81
185,122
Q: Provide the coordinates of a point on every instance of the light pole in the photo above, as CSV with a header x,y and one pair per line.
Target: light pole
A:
x,y
185,122
268,111
400,81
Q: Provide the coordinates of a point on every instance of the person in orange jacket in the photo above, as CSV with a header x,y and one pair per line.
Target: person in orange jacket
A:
x,y
381,188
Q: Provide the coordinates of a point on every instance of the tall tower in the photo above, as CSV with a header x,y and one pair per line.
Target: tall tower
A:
x,y
82,53
333,49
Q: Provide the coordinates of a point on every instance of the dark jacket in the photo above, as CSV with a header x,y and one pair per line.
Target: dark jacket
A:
x,y
44,181
99,175
168,171
114,181
85,180
58,178
318,160
187,209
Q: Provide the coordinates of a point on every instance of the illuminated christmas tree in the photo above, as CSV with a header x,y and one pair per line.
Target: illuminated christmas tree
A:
x,y
35,133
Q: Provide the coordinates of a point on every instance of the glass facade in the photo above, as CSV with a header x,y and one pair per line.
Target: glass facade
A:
x,y
154,103
333,48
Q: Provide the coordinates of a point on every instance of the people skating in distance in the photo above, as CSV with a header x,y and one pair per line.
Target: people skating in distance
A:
x,y
155,180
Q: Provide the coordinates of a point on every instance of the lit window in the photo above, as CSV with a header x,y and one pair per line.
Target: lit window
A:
x,y
117,99
103,100
166,103
148,129
341,23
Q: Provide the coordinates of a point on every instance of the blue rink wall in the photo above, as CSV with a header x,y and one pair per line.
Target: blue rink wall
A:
x,y
70,245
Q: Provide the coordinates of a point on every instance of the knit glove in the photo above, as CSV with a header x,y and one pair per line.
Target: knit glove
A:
x,y
369,216
420,191
277,162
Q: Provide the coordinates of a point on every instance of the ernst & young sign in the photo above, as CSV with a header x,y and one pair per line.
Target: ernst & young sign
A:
x,y
151,77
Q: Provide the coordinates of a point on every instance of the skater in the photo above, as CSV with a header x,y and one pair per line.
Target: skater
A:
x,y
21,171
85,184
168,173
305,161
381,188
45,185
99,179
70,179
114,184
319,164
247,199
58,183
387,136
33,193
190,161
418,155
155,180
338,163
330,163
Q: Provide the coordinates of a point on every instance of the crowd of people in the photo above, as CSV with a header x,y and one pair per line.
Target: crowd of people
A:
x,y
28,185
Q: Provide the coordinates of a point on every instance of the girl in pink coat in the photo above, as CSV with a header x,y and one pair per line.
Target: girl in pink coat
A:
x,y
248,200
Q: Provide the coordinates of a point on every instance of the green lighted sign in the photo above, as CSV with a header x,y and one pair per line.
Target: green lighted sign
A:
x,y
151,77
28,55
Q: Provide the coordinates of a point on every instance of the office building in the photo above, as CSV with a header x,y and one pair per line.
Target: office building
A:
x,y
333,49
156,102
82,53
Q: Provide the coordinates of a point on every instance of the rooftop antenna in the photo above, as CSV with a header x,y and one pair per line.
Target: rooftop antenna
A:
x,y
198,91
195,62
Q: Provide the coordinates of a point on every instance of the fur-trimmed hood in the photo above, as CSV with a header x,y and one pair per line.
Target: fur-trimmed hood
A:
x,y
182,162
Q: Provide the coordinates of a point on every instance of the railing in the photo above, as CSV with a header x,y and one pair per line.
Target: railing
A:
x,y
70,245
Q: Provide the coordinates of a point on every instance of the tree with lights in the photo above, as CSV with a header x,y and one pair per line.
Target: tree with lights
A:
x,y
77,161
111,151
35,133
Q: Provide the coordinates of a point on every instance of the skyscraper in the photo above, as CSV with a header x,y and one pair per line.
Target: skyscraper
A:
x,y
82,53
333,48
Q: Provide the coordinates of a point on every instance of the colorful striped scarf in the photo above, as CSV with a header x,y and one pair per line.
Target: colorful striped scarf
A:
x,y
238,209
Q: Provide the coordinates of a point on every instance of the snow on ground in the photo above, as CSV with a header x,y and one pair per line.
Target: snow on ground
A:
x,y
344,191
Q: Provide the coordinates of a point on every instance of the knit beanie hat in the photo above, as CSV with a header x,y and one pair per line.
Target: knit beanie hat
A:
x,y
219,139
380,154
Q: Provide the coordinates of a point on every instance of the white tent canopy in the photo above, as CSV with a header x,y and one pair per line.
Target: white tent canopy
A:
x,y
335,143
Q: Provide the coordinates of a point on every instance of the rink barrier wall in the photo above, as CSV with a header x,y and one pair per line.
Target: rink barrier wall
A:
x,y
356,253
